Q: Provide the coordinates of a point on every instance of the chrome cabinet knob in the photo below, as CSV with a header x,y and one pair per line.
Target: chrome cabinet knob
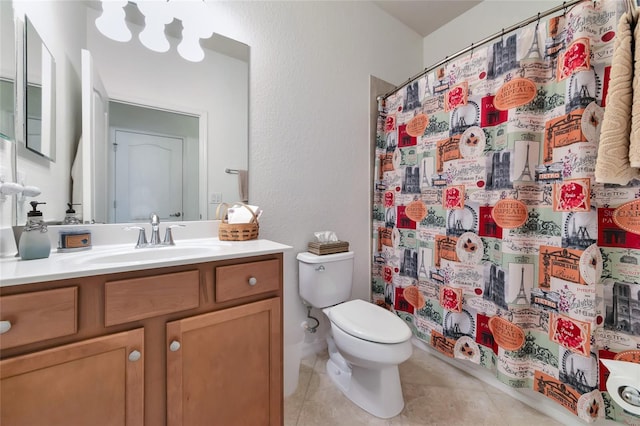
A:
x,y
253,281
134,356
5,326
174,346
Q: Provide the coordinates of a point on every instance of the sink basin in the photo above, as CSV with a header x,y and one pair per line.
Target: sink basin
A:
x,y
151,254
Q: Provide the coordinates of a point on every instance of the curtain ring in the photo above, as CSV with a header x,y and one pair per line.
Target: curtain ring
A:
x,y
446,65
472,50
564,6
502,37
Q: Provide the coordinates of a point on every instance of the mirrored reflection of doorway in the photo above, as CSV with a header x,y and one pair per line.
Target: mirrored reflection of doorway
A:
x,y
148,176
153,164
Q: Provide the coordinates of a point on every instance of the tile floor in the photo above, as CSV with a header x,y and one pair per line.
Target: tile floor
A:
x,y
435,394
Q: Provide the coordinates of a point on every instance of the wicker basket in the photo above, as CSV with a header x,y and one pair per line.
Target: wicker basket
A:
x,y
236,231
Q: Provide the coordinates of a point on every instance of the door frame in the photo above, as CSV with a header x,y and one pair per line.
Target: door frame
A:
x,y
203,141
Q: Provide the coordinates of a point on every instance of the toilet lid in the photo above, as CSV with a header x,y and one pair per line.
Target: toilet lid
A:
x,y
369,322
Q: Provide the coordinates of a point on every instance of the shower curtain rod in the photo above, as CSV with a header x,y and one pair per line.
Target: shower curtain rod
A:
x,y
486,40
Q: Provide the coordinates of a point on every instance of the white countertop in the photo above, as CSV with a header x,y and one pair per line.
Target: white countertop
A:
x,y
103,259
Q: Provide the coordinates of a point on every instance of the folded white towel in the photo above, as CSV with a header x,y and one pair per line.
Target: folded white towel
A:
x,y
612,163
242,214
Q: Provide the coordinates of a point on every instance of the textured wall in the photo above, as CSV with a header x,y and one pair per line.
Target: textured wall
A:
x,y
309,119
487,18
61,24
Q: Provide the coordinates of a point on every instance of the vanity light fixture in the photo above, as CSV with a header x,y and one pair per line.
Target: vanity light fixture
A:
x,y
196,24
189,48
194,15
111,23
157,15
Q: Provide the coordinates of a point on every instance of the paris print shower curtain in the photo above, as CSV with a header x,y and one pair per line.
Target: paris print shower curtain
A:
x,y
492,239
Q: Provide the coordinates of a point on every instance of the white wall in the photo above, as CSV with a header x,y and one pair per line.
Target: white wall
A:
x,y
309,126
61,25
481,21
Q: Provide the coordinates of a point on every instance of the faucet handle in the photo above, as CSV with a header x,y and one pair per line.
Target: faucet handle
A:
x,y
142,236
168,235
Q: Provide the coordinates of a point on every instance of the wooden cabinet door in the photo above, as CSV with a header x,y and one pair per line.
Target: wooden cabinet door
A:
x,y
98,381
225,367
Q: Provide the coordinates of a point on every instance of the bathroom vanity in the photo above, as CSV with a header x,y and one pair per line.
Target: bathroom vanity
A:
x,y
194,340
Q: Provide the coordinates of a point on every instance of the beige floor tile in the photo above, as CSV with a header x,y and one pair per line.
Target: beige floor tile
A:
x,y
321,363
423,368
435,393
435,405
326,405
309,361
515,412
293,403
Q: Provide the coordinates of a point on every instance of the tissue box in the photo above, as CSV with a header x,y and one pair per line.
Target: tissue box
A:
x,y
328,248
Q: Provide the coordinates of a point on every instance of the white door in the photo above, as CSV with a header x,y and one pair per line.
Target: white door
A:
x,y
148,176
95,148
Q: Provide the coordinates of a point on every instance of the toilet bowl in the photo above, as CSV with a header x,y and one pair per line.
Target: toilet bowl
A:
x,y
366,345
366,342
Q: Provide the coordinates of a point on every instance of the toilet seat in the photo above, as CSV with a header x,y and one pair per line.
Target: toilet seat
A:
x,y
370,322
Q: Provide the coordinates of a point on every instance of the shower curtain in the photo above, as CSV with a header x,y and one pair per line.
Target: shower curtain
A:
x,y
491,237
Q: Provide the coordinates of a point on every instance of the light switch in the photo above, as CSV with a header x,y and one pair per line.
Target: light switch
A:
x,y
216,197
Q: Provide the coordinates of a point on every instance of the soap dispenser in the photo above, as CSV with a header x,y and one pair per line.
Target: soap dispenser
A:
x,y
70,217
34,241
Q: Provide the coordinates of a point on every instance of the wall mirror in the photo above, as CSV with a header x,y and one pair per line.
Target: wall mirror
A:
x,y
39,94
7,71
161,152
215,91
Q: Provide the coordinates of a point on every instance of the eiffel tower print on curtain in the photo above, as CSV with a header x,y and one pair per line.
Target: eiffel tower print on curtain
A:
x,y
525,175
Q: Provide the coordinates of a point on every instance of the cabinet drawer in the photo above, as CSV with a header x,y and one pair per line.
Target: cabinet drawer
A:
x,y
138,298
246,279
40,315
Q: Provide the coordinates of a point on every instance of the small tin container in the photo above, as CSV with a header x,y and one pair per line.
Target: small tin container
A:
x,y
71,239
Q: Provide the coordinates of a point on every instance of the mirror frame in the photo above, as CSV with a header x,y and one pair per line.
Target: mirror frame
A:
x,y
19,91
9,142
47,85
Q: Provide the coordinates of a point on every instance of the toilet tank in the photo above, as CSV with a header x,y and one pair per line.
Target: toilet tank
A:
x,y
325,280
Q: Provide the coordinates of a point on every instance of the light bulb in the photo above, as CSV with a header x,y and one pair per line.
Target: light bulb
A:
x,y
111,23
189,48
157,14
153,37
196,24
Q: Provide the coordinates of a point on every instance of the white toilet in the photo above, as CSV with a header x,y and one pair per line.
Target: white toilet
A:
x,y
366,342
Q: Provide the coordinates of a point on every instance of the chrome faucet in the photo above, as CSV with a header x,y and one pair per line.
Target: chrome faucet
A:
x,y
155,230
154,219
